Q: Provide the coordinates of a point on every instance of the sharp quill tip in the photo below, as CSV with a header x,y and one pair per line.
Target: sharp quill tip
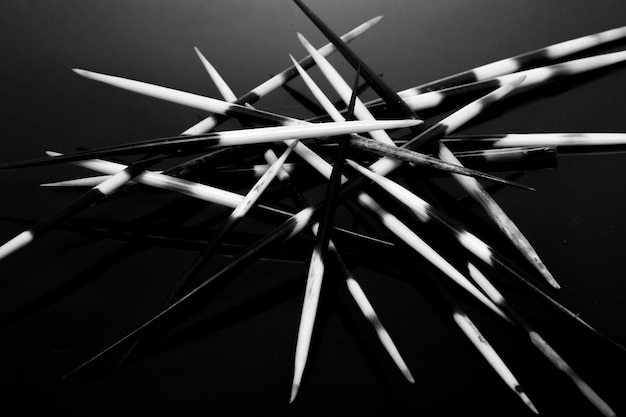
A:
x,y
294,392
409,377
81,72
302,39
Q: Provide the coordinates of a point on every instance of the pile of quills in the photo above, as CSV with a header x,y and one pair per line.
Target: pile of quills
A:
x,y
377,162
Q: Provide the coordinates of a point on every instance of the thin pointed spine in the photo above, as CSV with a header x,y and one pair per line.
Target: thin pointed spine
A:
x,y
414,157
317,265
419,245
357,292
418,99
344,90
383,90
504,223
196,190
446,126
540,343
571,139
426,212
535,57
491,356
278,80
383,335
287,229
231,222
75,206
219,82
222,139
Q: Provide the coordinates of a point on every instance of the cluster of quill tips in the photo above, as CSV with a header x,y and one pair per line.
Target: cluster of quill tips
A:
x,y
350,151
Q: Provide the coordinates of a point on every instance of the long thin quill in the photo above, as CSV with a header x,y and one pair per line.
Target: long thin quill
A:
x,y
317,265
89,198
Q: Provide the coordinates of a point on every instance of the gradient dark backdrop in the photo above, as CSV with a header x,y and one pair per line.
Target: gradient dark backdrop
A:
x,y
237,357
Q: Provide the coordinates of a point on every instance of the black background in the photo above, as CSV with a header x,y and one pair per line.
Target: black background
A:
x,y
235,355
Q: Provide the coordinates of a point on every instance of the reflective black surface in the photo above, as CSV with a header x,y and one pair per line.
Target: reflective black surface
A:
x,y
71,293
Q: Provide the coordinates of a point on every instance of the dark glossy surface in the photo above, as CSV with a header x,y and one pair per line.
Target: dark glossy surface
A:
x,y
68,295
